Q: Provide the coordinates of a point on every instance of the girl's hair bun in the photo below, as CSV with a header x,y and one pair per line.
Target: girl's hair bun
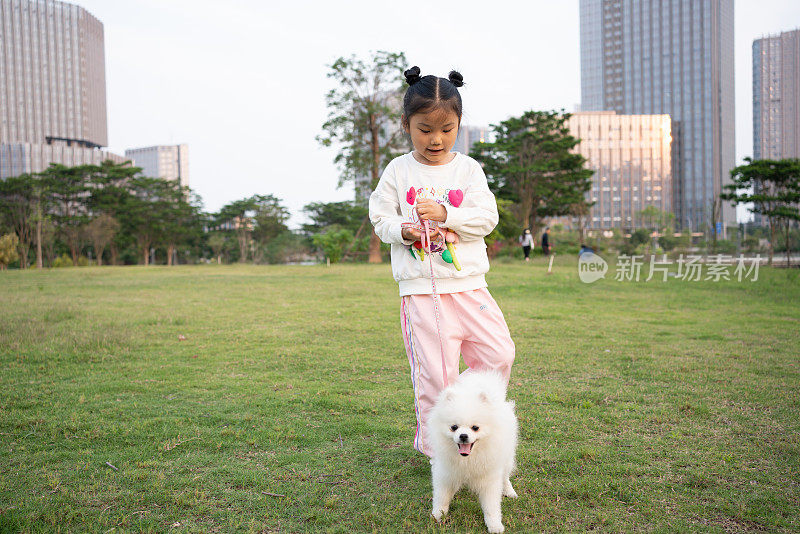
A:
x,y
456,78
412,75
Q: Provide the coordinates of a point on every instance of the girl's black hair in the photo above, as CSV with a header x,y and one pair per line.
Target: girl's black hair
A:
x,y
430,92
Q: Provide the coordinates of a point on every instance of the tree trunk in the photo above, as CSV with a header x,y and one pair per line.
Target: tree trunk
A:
x,y
771,239
355,239
242,247
170,253
23,255
39,263
374,240
375,248
146,251
114,254
788,252
100,256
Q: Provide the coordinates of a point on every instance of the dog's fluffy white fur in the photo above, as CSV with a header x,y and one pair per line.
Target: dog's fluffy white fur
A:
x,y
473,431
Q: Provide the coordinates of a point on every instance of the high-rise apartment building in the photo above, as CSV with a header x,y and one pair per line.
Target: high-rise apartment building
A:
x,y
170,162
776,96
632,159
52,86
675,57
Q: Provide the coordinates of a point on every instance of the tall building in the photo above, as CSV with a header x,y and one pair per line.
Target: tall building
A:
x,y
675,57
632,159
170,162
468,136
52,86
776,96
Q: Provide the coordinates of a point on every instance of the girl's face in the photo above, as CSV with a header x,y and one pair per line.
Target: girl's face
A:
x,y
433,135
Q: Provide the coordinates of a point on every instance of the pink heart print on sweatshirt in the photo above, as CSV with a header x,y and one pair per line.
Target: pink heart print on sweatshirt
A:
x,y
455,196
411,196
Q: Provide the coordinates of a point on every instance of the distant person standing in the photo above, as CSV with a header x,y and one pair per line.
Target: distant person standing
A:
x,y
526,240
546,241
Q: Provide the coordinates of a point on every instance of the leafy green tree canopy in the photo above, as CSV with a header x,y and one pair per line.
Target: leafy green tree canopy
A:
x,y
773,187
531,163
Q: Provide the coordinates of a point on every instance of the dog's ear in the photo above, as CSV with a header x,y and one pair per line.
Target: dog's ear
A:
x,y
483,397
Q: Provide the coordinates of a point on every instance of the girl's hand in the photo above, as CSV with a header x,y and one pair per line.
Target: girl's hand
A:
x,y
411,234
450,236
431,210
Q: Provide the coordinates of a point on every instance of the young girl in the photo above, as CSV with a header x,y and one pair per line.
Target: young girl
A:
x,y
448,190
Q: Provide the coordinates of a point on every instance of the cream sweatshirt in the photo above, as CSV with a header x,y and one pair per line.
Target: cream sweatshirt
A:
x,y
461,187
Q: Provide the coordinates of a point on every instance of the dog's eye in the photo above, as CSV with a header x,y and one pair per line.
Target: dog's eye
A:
x,y
475,428
453,428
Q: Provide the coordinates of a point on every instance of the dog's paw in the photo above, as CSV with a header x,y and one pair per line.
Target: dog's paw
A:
x,y
508,490
438,515
494,527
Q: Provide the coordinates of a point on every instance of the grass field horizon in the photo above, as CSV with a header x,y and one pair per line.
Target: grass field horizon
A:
x,y
278,399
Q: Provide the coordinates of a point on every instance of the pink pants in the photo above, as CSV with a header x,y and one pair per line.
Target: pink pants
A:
x,y
472,324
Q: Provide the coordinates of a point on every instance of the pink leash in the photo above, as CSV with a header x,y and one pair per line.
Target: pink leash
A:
x,y
426,238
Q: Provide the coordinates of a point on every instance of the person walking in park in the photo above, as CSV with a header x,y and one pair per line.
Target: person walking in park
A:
x,y
445,306
526,240
546,241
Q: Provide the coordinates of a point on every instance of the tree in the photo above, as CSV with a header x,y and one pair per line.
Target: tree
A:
x,y
8,250
655,220
773,186
333,242
101,231
259,218
67,190
49,241
531,164
346,214
270,223
18,207
364,119
507,229
237,215
110,195
269,218
144,212
181,217
217,242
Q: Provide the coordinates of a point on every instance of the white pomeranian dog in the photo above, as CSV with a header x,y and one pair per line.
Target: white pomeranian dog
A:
x,y
473,431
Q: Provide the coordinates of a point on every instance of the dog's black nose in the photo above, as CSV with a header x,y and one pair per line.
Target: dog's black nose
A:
x,y
463,437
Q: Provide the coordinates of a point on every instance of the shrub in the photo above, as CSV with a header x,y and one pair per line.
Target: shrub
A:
x,y
8,250
333,242
65,260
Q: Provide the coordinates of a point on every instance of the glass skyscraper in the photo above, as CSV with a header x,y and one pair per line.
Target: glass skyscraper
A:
x,y
632,159
653,57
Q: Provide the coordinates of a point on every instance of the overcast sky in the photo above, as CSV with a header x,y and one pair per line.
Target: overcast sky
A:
x,y
242,82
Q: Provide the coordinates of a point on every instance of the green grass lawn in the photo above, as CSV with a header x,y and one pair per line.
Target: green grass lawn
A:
x,y
661,406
